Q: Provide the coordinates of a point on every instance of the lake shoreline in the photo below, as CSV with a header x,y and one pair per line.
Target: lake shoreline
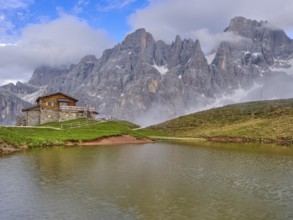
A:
x,y
6,149
228,139
110,140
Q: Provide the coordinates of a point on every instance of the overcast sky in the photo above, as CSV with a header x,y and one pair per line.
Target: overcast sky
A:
x,y
51,32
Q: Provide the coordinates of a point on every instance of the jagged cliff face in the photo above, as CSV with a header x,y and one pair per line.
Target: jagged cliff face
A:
x,y
146,81
45,74
10,106
141,78
271,42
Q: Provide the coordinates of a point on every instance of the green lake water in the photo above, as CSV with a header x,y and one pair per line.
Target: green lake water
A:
x,y
149,181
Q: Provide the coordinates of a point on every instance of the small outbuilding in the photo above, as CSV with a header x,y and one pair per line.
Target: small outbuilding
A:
x,y
56,107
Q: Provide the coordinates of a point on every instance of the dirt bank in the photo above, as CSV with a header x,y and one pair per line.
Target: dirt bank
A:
x,y
278,141
226,139
122,139
6,148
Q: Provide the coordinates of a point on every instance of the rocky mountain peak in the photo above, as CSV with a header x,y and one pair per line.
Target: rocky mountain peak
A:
x,y
142,80
19,88
197,47
89,59
198,56
255,30
140,39
271,41
178,39
44,74
245,27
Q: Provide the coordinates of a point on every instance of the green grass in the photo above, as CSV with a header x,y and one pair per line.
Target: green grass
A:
x,y
48,135
255,120
264,119
152,132
58,124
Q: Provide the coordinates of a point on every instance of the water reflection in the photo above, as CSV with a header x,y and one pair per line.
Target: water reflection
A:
x,y
152,181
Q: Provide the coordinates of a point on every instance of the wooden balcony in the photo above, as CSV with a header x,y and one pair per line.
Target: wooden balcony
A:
x,y
67,108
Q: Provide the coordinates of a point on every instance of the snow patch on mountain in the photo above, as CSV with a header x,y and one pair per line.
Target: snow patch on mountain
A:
x,y
31,98
288,70
162,69
210,57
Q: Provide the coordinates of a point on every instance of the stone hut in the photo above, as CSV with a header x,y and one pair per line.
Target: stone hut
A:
x,y
56,107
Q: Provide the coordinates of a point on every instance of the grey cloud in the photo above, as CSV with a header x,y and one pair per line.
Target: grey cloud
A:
x,y
167,18
210,41
62,41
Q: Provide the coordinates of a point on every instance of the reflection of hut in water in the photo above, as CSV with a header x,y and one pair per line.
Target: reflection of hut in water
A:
x,y
56,107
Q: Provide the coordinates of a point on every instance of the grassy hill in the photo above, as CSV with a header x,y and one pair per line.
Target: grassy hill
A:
x,y
52,134
263,121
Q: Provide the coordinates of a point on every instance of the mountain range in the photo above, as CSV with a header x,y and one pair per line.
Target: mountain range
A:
x,y
147,81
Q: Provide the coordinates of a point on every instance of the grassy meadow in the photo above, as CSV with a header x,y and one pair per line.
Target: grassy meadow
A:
x,y
253,120
52,134
263,121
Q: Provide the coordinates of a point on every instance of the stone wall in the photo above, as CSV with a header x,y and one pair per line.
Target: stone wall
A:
x,y
45,116
64,116
21,120
49,116
33,118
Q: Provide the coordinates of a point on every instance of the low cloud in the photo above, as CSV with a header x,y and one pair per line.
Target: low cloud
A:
x,y
62,41
284,19
210,41
106,5
14,4
167,18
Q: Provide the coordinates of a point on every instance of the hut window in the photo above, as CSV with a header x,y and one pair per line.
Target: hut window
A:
x,y
49,104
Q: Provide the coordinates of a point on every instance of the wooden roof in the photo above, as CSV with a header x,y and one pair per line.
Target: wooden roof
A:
x,y
57,93
37,107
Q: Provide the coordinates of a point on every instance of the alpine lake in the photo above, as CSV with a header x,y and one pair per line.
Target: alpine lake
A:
x,y
148,181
